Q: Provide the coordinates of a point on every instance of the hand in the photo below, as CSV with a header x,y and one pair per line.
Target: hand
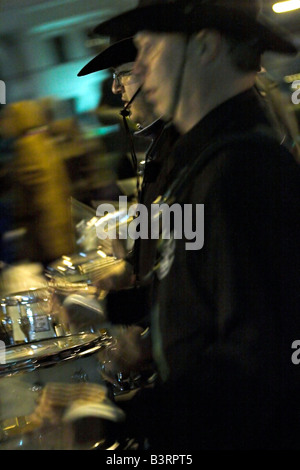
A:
x,y
116,276
130,353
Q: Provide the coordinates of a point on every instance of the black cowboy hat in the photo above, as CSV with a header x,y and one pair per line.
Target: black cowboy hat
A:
x,y
120,51
116,54
238,18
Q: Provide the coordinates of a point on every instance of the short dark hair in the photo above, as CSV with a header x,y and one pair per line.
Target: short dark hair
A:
x,y
245,57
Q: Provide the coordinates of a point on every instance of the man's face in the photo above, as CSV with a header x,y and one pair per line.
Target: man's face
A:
x,y
126,83
158,64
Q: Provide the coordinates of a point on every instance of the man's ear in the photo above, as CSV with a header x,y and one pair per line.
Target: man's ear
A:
x,y
208,43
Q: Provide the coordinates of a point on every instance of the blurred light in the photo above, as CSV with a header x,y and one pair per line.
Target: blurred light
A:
x,y
289,5
61,268
67,263
292,78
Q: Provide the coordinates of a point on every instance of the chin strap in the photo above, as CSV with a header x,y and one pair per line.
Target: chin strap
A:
x,y
125,113
179,79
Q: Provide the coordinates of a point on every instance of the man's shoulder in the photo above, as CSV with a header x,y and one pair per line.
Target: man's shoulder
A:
x,y
245,148
250,161
233,157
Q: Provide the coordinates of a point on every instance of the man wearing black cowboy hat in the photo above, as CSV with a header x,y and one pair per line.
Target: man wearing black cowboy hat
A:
x,y
132,306
226,314
120,56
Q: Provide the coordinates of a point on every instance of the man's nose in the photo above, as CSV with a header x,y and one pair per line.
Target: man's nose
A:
x,y
116,87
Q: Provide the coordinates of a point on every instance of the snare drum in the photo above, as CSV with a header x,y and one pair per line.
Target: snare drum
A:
x,y
26,316
48,387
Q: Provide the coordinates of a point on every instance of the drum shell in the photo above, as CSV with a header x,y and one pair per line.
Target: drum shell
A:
x,y
33,307
20,389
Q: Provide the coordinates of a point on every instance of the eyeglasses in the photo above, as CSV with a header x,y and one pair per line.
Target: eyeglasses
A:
x,y
118,77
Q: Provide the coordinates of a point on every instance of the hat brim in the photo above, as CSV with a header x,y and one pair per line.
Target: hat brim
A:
x,y
115,55
183,18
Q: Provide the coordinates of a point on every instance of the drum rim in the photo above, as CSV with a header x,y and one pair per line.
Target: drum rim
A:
x,y
76,260
25,297
53,358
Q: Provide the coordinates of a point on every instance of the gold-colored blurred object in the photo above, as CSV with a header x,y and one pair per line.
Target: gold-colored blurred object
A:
x,y
21,117
41,182
18,425
87,272
56,397
62,286
100,269
75,268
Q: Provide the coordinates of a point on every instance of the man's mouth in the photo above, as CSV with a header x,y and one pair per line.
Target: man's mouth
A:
x,y
125,103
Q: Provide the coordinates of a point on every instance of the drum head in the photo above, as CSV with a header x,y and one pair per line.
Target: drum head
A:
x,y
44,353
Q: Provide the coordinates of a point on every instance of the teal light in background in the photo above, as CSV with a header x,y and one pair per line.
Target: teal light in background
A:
x,y
64,23
61,81
89,91
102,131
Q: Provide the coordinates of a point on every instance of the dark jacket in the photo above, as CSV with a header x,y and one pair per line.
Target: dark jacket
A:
x,y
136,302
227,314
